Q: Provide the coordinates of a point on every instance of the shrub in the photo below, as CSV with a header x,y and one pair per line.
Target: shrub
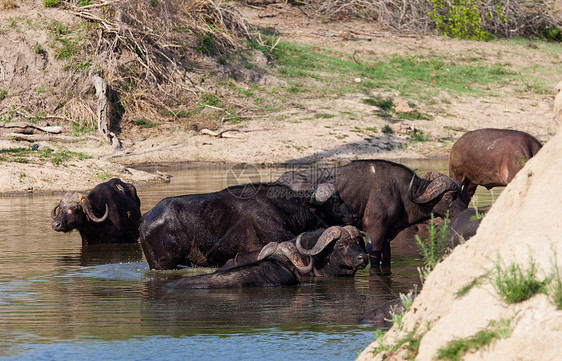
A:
x,y
459,19
434,248
515,285
455,349
51,3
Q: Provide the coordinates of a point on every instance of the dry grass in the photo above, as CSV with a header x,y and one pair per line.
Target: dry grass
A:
x,y
504,18
8,4
151,51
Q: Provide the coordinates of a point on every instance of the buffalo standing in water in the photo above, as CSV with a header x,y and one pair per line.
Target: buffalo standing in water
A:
x,y
388,197
336,251
209,229
110,213
490,158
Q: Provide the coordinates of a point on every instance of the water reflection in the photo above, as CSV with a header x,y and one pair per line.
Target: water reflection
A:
x,y
64,301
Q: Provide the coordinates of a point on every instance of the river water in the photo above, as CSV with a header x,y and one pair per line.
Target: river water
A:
x,y
62,301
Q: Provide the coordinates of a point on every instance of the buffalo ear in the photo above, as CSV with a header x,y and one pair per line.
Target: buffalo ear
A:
x,y
323,193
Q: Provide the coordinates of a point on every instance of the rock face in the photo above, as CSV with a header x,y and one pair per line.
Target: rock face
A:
x,y
558,105
522,226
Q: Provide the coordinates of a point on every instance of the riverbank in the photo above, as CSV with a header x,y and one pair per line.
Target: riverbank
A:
x,y
310,120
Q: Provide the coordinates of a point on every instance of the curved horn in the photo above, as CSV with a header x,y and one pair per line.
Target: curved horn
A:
x,y
54,211
324,192
410,194
85,202
268,250
369,242
353,231
289,250
438,186
329,235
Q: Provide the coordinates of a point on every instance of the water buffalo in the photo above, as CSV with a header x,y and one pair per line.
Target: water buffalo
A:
x,y
464,225
490,158
336,251
208,229
388,197
110,213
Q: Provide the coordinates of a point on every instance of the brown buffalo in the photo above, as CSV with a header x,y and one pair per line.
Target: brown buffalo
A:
x,y
490,158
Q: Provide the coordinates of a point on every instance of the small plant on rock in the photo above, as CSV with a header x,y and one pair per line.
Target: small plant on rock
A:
x,y
434,248
515,285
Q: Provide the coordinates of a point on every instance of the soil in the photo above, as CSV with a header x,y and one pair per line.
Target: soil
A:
x,y
301,135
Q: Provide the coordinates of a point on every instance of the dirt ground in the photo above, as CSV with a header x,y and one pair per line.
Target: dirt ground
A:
x,y
300,136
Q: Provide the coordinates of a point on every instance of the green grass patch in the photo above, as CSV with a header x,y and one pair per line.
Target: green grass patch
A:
x,y
410,342
144,123
466,288
387,129
457,348
418,136
80,129
415,115
51,3
3,94
416,75
26,155
385,104
68,42
513,284
324,116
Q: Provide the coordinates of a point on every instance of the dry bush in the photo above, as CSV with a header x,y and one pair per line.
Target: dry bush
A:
x,y
149,51
7,4
504,18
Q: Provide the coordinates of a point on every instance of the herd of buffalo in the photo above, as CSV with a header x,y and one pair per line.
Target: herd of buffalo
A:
x,y
311,223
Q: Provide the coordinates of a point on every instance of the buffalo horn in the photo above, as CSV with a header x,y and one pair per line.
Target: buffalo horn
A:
x,y
369,241
268,250
331,234
289,250
353,231
54,211
85,202
324,192
438,186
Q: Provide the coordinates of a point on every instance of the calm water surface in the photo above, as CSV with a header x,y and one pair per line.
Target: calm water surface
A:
x,y
62,301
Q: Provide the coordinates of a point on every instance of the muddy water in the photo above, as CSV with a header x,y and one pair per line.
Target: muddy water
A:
x,y
62,301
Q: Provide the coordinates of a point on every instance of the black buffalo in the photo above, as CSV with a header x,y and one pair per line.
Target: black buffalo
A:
x,y
336,251
464,225
388,197
110,213
208,229
490,158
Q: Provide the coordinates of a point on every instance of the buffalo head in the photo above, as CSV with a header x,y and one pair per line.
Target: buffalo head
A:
x,y
326,202
442,195
73,212
338,251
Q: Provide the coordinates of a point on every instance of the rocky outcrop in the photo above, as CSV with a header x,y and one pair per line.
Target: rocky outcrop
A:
x,y
521,228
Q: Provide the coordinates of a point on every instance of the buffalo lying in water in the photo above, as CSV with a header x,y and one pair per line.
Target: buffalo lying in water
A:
x,y
208,229
490,158
388,197
110,213
336,251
